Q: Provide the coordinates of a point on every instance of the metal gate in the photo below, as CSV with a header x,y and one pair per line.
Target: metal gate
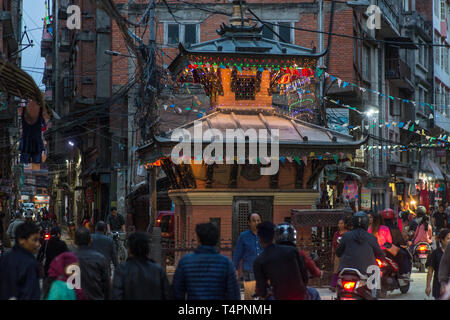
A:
x,y
323,224
242,206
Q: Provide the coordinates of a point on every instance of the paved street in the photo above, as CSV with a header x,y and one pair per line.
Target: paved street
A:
x,y
416,291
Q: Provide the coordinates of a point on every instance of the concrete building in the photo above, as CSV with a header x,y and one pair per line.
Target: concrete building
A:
x,y
90,146
10,35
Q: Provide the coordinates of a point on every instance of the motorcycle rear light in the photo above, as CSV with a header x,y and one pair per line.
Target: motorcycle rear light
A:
x,y
423,248
349,285
381,264
47,236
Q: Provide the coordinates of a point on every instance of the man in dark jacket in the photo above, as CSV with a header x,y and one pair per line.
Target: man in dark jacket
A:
x,y
139,278
359,249
206,274
19,269
280,265
52,248
95,280
104,244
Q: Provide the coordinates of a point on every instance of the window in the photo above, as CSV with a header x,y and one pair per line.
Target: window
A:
x,y
445,49
422,54
190,34
443,10
284,30
173,33
366,63
185,33
267,33
406,5
437,54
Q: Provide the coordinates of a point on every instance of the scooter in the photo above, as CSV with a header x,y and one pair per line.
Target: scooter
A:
x,y
352,285
390,276
421,252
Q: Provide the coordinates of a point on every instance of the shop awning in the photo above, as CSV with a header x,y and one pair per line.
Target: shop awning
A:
x,y
16,82
436,169
407,180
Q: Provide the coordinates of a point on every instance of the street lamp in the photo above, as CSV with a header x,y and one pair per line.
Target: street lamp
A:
x,y
71,143
116,53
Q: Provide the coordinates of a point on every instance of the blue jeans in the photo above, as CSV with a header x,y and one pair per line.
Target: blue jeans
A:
x,y
312,294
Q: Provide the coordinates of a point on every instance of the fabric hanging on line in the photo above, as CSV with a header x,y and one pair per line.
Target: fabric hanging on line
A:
x,y
31,144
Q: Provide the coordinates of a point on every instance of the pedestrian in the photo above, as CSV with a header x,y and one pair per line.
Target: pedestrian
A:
x,y
380,231
115,221
344,225
285,234
11,232
140,278
246,250
444,270
57,285
281,266
104,245
95,279
206,274
433,264
439,219
51,249
19,269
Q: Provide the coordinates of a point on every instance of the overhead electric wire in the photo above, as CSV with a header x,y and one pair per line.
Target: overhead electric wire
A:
x,y
323,32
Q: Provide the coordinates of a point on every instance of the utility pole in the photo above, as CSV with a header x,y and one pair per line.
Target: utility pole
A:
x,y
58,200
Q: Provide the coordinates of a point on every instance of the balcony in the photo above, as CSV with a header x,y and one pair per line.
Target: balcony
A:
x,y
391,18
46,43
399,72
413,20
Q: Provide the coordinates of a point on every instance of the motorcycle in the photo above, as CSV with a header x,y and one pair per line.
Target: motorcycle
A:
x,y
390,276
421,252
352,285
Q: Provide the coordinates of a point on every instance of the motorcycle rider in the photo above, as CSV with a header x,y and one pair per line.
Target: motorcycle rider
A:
x,y
285,234
358,249
403,258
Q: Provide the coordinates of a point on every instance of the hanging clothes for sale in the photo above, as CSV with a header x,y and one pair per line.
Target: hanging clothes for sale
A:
x,y
424,197
31,144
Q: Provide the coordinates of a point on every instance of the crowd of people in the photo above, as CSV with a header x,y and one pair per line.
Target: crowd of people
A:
x,y
271,265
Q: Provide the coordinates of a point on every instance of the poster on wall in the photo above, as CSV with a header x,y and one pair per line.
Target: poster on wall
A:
x,y
365,198
350,190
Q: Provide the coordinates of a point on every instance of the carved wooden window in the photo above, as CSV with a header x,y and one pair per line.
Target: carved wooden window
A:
x,y
245,87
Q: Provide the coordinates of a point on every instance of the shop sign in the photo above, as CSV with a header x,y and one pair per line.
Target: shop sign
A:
x,y
365,198
89,195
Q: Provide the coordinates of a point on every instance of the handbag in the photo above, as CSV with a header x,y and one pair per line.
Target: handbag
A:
x,y
393,250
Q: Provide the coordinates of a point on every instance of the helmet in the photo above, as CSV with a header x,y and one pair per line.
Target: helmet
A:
x,y
360,220
421,211
388,214
285,232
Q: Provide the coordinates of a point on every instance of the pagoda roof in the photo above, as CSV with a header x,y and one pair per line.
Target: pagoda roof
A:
x,y
243,41
296,137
